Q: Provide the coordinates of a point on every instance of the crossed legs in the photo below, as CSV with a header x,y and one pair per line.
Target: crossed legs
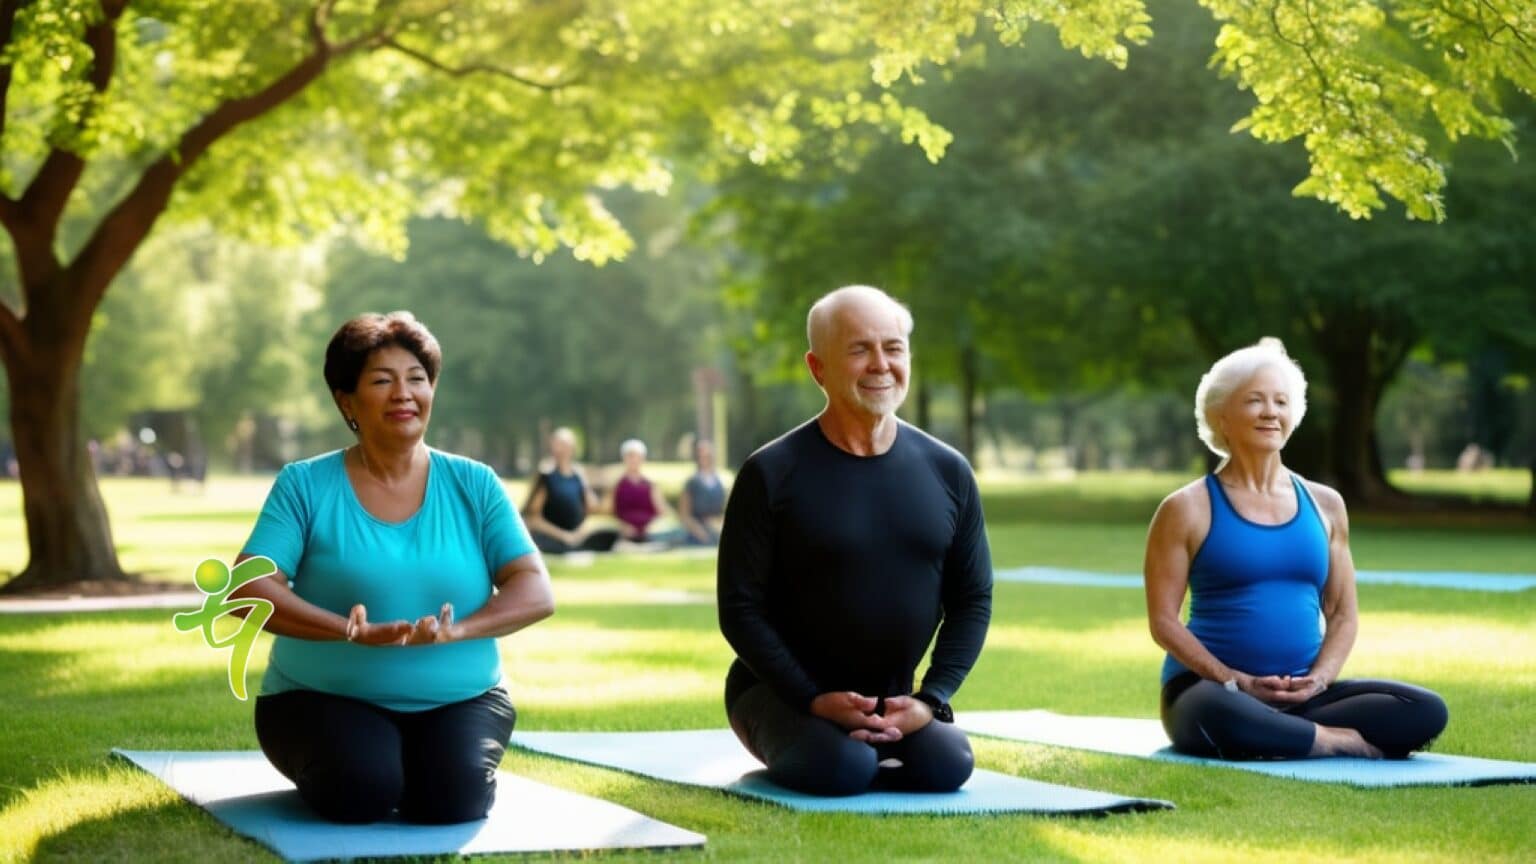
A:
x,y
1203,718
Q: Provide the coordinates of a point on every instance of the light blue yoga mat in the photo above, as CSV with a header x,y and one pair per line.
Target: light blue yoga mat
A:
x,y
1426,579
1126,736
242,790
714,758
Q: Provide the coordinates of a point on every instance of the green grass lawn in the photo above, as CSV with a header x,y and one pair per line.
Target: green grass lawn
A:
x,y
634,646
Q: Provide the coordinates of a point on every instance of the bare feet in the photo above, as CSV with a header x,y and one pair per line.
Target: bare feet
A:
x,y
1339,741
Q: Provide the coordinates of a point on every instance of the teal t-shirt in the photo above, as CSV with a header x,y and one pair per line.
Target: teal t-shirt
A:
x,y
337,554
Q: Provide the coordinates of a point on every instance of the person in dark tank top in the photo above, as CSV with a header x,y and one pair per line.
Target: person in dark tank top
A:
x,y
1264,556
558,504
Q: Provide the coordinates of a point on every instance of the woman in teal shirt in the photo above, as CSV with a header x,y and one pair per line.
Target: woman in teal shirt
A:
x,y
398,566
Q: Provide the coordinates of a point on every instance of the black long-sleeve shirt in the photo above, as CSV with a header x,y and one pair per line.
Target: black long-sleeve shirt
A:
x,y
835,569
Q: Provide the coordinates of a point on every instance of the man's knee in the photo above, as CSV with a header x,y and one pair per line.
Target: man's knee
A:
x,y
822,766
939,759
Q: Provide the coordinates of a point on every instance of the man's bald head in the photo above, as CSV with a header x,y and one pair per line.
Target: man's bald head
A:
x,y
820,324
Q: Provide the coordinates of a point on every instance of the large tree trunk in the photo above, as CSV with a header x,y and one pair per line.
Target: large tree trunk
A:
x,y
67,529
1360,365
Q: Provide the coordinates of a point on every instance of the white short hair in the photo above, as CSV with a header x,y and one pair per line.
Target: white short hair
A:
x,y
1230,372
633,445
823,309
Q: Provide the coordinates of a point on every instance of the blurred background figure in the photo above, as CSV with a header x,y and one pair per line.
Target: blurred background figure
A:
x,y
637,502
559,501
701,508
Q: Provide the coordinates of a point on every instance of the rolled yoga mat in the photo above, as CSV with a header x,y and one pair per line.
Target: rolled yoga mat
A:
x,y
1455,581
714,758
1127,736
242,790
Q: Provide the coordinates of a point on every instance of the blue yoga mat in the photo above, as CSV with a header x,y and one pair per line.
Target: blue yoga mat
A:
x,y
1126,736
243,791
714,758
1426,579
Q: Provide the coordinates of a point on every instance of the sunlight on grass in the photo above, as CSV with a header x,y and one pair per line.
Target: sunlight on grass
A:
x,y
1461,647
54,806
1069,841
607,592
579,666
93,654
1123,641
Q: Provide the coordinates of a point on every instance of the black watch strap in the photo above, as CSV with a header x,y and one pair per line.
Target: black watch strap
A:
x,y
941,710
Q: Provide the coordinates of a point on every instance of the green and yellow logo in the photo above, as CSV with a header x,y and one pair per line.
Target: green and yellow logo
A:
x,y
214,578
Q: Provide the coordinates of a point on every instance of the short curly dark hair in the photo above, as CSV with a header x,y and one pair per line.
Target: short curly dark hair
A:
x,y
367,333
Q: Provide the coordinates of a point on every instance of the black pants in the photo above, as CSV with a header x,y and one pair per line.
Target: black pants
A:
x,y
808,754
597,541
1203,718
357,762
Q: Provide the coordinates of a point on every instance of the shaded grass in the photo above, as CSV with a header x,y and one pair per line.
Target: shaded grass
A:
x,y
628,650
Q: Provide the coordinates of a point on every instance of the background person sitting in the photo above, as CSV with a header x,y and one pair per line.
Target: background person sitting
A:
x,y
637,502
558,504
701,508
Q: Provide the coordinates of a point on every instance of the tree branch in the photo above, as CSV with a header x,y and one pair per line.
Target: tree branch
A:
x,y
125,227
475,68
43,202
318,17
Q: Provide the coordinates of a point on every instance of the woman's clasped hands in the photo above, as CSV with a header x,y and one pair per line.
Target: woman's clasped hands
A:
x,y
427,630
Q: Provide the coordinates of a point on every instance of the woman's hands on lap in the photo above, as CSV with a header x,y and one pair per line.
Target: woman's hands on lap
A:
x,y
427,630
1281,689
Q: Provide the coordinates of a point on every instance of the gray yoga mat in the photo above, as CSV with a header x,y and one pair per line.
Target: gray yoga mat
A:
x,y
1127,736
714,758
242,790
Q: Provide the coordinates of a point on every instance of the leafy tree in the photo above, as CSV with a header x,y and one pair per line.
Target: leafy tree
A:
x,y
280,118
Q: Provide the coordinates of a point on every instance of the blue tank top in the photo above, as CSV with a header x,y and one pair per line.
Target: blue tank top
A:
x,y
1255,590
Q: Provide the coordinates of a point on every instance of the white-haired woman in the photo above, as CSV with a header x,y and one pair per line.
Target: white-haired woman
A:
x,y
1264,555
635,500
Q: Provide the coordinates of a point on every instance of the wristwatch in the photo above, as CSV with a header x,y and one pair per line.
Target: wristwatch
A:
x,y
941,710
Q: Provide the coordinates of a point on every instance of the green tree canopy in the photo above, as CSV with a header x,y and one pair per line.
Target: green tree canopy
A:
x,y
276,119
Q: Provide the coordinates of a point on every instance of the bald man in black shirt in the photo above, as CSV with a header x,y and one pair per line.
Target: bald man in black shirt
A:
x,y
847,543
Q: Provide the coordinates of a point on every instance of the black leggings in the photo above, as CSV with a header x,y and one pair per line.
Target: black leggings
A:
x,y
356,762
1204,718
598,541
808,754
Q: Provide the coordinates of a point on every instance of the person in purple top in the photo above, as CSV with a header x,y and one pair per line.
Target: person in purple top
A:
x,y
635,501
1264,555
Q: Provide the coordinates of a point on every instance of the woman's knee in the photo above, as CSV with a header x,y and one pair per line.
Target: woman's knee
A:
x,y
449,796
1208,720
353,791
1422,716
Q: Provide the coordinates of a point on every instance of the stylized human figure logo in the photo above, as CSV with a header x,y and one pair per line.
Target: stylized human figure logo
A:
x,y
214,578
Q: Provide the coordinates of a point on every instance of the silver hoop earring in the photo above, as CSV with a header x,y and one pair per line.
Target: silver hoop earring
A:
x,y
352,424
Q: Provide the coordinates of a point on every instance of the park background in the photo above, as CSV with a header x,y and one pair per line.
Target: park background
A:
x,y
1091,239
